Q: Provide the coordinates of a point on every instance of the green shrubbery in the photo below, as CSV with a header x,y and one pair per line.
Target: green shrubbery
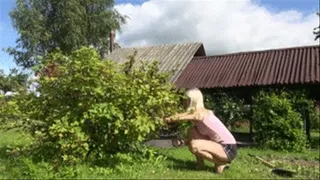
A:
x,y
302,104
14,81
227,106
94,106
315,120
277,124
10,115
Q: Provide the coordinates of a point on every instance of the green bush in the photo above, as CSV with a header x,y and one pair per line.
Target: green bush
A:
x,y
276,123
305,106
315,120
13,82
10,115
227,106
90,105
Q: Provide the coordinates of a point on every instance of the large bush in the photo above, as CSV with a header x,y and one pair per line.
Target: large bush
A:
x,y
90,105
276,123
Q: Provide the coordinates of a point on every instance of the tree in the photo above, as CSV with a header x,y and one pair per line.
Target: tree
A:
x,y
47,25
317,33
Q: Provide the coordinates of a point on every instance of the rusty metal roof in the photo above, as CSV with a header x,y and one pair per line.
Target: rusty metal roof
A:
x,y
171,56
297,65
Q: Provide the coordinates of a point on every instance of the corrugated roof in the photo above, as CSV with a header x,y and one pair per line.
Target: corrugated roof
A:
x,y
171,56
297,65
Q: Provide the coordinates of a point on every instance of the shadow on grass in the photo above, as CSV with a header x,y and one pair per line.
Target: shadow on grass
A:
x,y
182,164
179,164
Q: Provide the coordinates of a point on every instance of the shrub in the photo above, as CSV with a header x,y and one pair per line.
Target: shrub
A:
x,y
13,82
315,120
10,115
90,105
276,123
227,106
305,106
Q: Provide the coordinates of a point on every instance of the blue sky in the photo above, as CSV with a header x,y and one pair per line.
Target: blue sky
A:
x,y
8,35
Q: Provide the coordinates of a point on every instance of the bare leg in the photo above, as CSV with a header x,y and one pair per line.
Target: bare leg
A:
x,y
193,134
210,151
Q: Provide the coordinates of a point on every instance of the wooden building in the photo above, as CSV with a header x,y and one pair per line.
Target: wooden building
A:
x,y
243,72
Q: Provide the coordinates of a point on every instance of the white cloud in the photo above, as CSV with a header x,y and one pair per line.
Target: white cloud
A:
x,y
223,26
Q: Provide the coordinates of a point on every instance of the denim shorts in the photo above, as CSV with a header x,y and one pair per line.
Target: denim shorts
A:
x,y
230,150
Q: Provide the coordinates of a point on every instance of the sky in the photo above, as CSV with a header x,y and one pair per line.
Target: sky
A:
x,y
223,26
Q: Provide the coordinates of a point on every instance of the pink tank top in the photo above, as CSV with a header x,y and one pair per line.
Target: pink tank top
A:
x,y
212,127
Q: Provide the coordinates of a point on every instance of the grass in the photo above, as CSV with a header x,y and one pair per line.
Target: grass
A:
x,y
242,134
179,163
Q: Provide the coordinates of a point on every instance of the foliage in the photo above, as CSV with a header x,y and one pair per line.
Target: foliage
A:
x,y
315,120
94,106
8,110
14,81
227,106
43,26
302,104
10,114
276,123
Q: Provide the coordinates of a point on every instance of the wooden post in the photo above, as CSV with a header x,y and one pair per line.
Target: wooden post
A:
x,y
250,117
307,125
251,121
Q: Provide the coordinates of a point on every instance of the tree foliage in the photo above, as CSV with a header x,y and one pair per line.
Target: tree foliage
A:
x,y
95,106
45,25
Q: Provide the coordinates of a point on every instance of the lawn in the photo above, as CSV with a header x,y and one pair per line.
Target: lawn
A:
x,y
242,134
179,163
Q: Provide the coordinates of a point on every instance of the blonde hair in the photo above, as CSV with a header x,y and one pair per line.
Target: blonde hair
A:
x,y
196,99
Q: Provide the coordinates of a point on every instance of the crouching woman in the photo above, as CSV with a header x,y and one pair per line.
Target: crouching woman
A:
x,y
208,139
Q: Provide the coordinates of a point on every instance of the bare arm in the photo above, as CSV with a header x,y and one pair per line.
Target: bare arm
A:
x,y
183,116
187,116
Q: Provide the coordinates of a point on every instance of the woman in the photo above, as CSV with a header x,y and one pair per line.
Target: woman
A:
x,y
209,139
